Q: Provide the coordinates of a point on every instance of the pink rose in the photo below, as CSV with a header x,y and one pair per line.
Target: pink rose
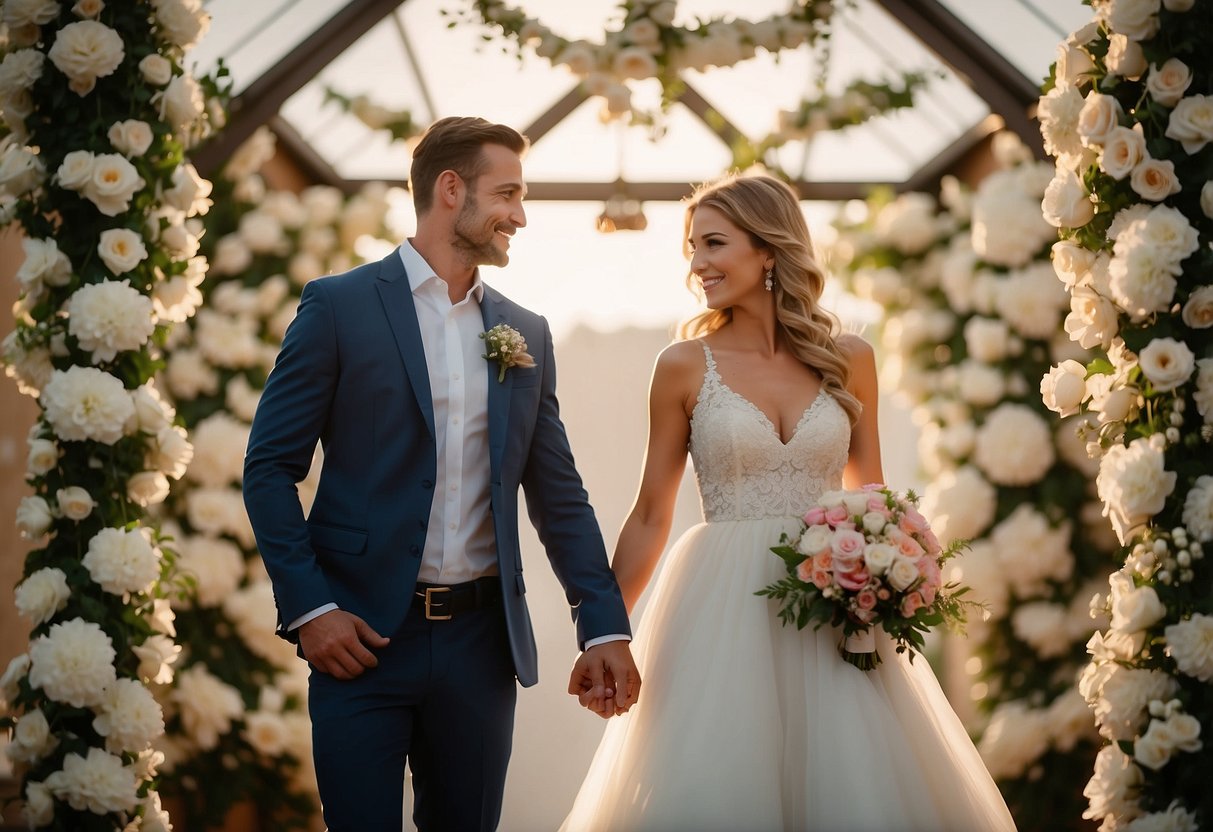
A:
x,y
815,516
909,547
916,521
852,581
877,503
836,515
911,604
864,616
866,599
883,594
821,578
931,542
872,486
927,591
823,561
848,544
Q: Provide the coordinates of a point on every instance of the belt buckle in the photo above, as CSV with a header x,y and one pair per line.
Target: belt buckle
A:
x,y
429,602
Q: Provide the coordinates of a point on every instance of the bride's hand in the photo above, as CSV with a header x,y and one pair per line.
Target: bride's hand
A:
x,y
594,679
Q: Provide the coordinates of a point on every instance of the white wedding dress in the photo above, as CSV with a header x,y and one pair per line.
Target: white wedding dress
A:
x,y
745,725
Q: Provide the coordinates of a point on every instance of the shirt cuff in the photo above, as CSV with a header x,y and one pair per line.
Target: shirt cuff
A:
x,y
594,642
308,616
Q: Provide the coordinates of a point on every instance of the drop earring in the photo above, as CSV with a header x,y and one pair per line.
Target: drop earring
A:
x,y
770,280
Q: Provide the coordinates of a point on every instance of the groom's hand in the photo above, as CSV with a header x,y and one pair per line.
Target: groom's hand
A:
x,y
605,679
336,643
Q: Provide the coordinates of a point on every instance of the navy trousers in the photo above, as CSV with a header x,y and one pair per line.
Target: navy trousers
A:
x,y
442,699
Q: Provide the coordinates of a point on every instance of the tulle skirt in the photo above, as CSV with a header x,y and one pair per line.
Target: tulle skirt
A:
x,y
744,724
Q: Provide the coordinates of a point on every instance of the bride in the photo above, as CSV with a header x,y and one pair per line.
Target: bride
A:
x,y
745,724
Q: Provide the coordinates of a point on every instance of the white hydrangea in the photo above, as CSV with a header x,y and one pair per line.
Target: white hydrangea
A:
x,y
1014,446
909,223
109,317
1031,300
128,717
219,445
1015,739
252,612
39,805
218,511
1032,552
206,704
84,403
227,341
122,561
1008,228
1123,696
98,783
1190,645
73,662
42,594
1042,626
1134,483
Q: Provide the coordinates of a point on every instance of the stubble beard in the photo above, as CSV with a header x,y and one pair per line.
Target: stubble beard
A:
x,y
474,251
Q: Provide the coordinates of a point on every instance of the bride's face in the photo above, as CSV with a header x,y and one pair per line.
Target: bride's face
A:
x,y
724,259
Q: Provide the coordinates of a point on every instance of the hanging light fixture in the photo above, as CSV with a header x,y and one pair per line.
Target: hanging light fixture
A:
x,y
622,212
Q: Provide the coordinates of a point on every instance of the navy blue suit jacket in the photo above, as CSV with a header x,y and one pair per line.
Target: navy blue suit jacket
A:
x,y
352,375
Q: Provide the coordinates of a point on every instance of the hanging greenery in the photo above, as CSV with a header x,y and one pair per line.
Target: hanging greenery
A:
x,y
98,113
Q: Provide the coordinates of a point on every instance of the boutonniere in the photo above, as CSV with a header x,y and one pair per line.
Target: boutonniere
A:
x,y
507,347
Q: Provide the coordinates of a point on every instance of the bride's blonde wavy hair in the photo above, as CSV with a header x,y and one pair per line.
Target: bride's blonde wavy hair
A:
x,y
769,211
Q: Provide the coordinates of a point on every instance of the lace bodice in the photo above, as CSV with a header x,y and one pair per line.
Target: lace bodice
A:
x,y
744,471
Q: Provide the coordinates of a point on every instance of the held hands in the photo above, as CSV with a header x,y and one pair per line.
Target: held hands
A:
x,y
605,679
336,643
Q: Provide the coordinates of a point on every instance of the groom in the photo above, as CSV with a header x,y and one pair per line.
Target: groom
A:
x,y
403,587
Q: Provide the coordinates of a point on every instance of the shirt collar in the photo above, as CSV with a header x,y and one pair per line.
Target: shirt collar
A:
x,y
420,272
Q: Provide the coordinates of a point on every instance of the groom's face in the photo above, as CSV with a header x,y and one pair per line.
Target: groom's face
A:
x,y
492,209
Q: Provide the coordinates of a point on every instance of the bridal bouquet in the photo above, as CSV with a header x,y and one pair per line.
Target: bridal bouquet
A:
x,y
866,558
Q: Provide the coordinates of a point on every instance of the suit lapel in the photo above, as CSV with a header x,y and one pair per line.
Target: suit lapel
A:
x,y
492,309
398,305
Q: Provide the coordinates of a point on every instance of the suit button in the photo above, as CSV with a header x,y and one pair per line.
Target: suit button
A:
x,y
427,484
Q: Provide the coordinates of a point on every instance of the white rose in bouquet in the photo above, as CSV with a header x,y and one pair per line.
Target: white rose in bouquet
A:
x,y
73,662
109,317
181,103
98,783
129,717
1134,483
1190,645
206,704
122,561
1071,262
85,51
76,170
42,594
33,517
216,564
1123,150
1167,363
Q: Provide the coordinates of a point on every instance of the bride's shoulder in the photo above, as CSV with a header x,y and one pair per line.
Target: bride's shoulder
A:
x,y
855,349
680,363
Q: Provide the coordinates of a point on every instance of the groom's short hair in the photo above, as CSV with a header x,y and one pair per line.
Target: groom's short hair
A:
x,y
455,143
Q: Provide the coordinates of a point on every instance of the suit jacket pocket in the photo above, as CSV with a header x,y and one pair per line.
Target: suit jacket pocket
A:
x,y
337,539
525,376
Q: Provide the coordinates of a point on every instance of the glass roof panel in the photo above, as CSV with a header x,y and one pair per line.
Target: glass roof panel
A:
x,y
1026,32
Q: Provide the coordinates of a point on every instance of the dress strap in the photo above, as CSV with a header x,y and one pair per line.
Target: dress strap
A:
x,y
707,354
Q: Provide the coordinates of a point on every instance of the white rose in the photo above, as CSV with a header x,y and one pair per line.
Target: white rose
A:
x,y
171,452
1154,179
1167,83
33,517
113,183
1042,626
1064,388
85,51
1190,645
1135,19
1198,509
99,783
1032,551
42,594
73,662
190,192
188,374
902,573
206,705
1066,202
579,57
1008,229
216,511
908,223
1134,608
1154,748
1125,57
1167,363
1191,123
1073,64
75,502
17,669
1071,262
1198,310
122,561
20,171
634,62
182,22
960,504
43,456
180,103
147,488
131,137
109,317
1014,740
156,70
23,13
986,339
1014,446
1031,300
1099,115
219,445
227,341
873,522
32,738
156,656
251,610
879,556
1133,484
121,250
1124,149
1112,789
129,717
980,384
76,170
815,539
217,566
44,262
1206,199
